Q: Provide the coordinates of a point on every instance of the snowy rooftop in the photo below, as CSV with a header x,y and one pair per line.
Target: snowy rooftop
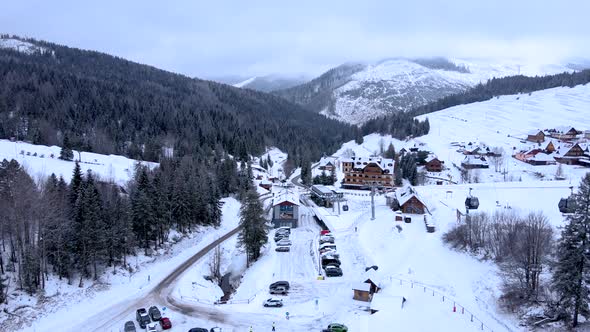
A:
x,y
362,286
362,162
285,196
475,160
405,194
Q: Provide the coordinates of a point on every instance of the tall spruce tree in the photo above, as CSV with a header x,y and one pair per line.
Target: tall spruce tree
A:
x,y
571,279
390,152
66,152
254,233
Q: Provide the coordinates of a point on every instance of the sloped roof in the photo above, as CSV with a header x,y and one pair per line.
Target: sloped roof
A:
x,y
475,160
431,158
373,275
405,195
382,301
383,163
327,160
285,196
563,129
542,157
534,132
362,286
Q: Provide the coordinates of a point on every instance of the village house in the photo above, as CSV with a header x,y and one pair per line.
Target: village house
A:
x,y
364,172
564,133
325,195
407,201
362,292
433,164
473,162
571,154
535,157
327,164
536,136
285,209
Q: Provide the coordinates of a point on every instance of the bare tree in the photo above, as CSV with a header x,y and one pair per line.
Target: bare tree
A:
x,y
215,266
497,158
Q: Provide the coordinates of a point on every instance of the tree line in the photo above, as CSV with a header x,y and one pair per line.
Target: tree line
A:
x,y
76,230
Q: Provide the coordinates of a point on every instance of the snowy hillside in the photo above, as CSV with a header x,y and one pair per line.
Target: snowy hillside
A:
x,y
40,161
399,85
21,46
270,83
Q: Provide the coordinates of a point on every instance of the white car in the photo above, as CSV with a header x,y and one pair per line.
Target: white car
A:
x,y
326,239
273,303
284,242
151,327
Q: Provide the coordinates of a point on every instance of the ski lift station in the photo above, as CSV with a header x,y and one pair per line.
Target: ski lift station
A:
x,y
326,195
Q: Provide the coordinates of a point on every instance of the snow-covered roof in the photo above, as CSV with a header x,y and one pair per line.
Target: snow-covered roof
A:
x,y
431,158
285,196
542,157
321,189
405,194
475,160
362,286
563,129
534,132
327,160
373,275
265,182
362,162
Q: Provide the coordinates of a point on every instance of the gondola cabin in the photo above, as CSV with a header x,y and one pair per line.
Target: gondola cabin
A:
x,y
471,203
566,205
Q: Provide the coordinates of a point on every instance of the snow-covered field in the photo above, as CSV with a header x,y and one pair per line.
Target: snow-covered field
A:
x,y
40,161
21,46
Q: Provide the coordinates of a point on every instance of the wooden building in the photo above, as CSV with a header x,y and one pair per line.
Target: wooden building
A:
x,y
362,292
363,172
433,164
285,209
472,162
570,155
408,202
536,136
327,164
265,184
565,133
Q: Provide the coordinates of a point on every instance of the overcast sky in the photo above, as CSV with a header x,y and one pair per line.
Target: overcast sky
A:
x,y
249,37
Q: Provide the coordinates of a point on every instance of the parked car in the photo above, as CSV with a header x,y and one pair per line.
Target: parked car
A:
x,y
129,327
279,237
326,239
215,329
155,314
198,329
325,231
277,303
142,317
333,262
326,249
330,254
165,323
284,242
283,249
327,246
284,229
281,283
152,327
332,271
279,290
337,327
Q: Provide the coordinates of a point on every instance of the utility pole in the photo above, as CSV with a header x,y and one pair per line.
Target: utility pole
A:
x,y
373,201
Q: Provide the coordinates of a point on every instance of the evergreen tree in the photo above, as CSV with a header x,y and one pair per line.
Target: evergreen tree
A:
x,y
75,184
253,234
142,214
571,279
390,152
66,152
398,173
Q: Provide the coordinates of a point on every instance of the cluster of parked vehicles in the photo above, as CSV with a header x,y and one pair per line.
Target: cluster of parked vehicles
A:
x,y
277,288
282,239
148,320
329,257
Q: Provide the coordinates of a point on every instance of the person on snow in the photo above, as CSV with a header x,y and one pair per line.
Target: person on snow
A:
x,y
403,302
273,326
251,329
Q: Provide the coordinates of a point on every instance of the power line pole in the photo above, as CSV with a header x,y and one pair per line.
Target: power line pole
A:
x,y
373,202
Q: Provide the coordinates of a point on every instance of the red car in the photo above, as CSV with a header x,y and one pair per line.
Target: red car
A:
x,y
166,323
324,231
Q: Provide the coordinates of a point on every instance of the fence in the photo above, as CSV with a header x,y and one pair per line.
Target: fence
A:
x,y
456,306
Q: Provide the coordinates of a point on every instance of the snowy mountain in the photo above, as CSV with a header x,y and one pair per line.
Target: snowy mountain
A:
x,y
270,82
356,93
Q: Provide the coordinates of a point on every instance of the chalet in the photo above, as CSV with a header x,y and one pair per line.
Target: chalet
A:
x,y
433,164
362,292
549,147
407,201
472,162
535,157
565,133
265,184
364,172
536,136
327,164
570,154
384,303
285,209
